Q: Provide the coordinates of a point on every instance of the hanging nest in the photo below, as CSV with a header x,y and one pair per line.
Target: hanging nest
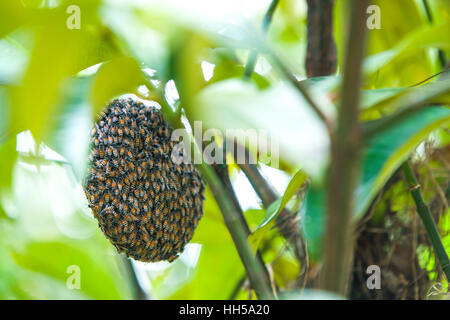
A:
x,y
147,205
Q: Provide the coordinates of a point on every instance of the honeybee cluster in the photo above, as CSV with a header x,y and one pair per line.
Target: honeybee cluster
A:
x,y
146,205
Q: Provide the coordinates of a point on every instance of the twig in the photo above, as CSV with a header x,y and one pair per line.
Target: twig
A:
x,y
265,26
427,219
138,292
345,162
256,271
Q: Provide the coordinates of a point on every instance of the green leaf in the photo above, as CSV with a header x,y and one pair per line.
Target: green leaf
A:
x,y
97,277
237,104
433,36
382,157
275,208
12,15
35,98
72,124
389,100
393,50
121,75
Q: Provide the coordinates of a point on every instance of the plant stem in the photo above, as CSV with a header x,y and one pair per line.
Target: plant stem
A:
x,y
138,292
345,162
265,26
427,219
256,271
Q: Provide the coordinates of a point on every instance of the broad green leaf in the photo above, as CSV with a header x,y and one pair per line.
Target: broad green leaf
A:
x,y
35,98
12,15
237,104
97,279
70,133
115,77
383,155
394,50
229,69
145,44
389,100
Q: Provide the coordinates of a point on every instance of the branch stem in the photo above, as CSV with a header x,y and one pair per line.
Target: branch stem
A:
x,y
427,219
255,269
344,171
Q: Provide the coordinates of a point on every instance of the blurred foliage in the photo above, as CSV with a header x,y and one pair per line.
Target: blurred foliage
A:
x,y
55,80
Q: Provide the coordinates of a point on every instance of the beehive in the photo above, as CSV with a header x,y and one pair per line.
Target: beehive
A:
x,y
146,204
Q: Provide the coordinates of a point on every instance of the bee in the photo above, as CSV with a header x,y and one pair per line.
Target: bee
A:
x,y
129,155
115,152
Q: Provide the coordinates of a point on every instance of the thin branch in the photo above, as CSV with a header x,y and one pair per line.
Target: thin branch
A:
x,y
345,162
256,271
138,292
265,26
427,219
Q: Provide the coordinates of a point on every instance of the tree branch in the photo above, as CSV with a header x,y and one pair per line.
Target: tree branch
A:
x,y
427,219
345,161
321,55
256,270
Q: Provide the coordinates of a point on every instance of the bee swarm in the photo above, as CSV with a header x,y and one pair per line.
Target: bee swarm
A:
x,y
146,205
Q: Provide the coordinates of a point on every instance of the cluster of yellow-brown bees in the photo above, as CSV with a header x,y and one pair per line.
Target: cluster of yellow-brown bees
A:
x,y
146,204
